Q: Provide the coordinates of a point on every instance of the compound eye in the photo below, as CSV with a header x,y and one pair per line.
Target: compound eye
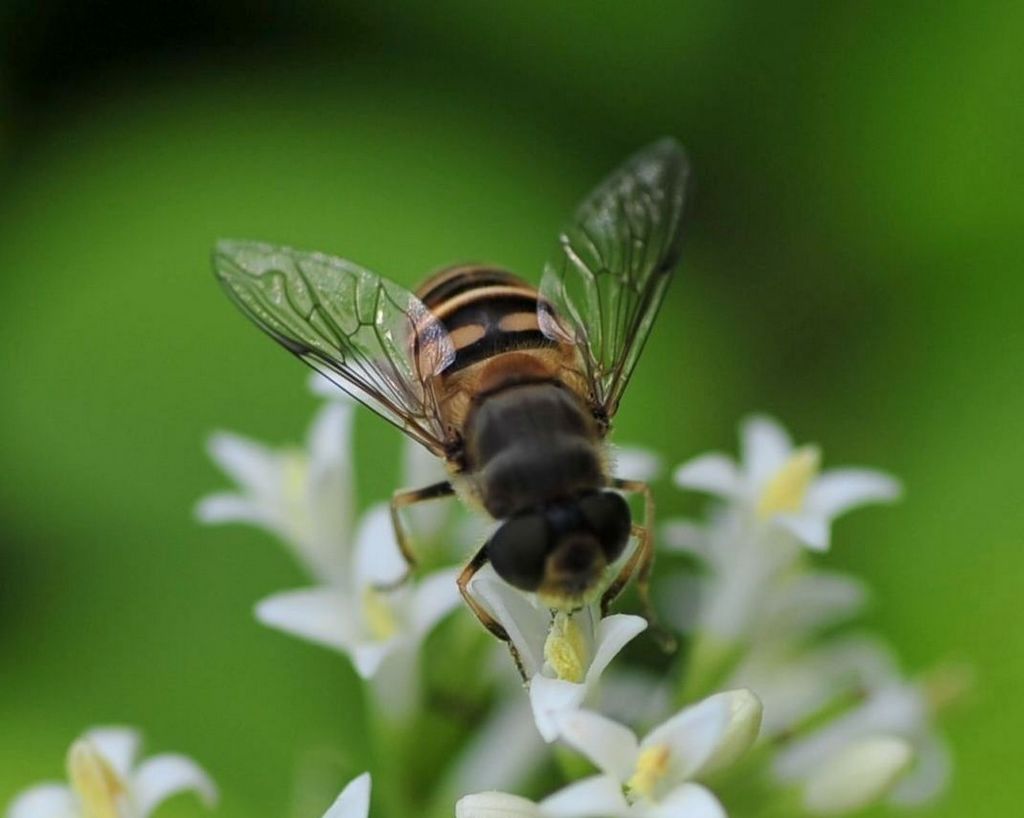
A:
x,y
608,516
518,551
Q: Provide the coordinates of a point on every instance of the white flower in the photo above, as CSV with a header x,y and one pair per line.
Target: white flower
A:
x,y
892,710
380,630
596,797
304,496
779,486
856,776
105,781
657,772
562,656
354,801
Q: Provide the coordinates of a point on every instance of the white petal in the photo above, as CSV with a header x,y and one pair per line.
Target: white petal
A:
x,y
613,634
118,745
331,487
714,473
549,698
611,746
857,776
686,801
320,615
157,779
378,560
744,723
525,622
692,735
839,490
811,529
230,508
421,467
323,387
354,801
44,801
368,657
433,598
635,463
595,797
764,445
929,776
495,805
685,537
250,464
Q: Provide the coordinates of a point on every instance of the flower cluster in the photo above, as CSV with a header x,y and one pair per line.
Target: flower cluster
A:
x,y
770,706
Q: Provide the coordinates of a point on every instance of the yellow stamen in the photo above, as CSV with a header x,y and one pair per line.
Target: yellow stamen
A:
x,y
651,766
565,649
379,616
787,488
97,785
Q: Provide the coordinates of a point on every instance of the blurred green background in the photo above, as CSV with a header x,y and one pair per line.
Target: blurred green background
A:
x,y
853,266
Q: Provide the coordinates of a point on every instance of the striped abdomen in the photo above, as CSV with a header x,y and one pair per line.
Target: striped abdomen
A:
x,y
486,312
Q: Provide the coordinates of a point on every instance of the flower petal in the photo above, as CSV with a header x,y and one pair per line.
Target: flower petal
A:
x,y
857,776
811,529
368,657
611,746
548,698
692,735
687,801
810,601
226,507
321,615
636,463
839,490
685,537
378,560
714,473
525,622
50,800
929,776
118,745
434,597
251,465
495,805
157,779
354,801
764,447
613,634
595,797
745,711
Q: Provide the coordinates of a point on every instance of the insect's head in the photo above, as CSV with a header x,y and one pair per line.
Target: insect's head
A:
x,y
561,551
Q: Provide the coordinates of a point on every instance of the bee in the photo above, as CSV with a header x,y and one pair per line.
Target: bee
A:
x,y
513,386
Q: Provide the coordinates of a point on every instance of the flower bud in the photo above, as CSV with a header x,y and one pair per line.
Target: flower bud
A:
x,y
857,776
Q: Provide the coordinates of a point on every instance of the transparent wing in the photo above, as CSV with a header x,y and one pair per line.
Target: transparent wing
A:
x,y
602,288
371,337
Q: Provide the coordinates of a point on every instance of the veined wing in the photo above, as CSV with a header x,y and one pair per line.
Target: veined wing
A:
x,y
603,286
371,337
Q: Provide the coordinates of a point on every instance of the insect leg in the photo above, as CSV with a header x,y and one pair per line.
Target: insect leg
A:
x,y
481,613
640,564
399,500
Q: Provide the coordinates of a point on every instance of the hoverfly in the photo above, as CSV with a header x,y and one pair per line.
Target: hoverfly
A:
x,y
513,386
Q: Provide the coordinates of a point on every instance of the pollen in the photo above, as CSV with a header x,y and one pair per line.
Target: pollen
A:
x,y
98,787
787,488
565,649
651,766
378,615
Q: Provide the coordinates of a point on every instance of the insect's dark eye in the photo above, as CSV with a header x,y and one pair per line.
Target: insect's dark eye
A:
x,y
518,550
607,514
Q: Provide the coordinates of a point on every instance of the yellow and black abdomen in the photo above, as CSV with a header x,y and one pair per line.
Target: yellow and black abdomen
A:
x,y
486,312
